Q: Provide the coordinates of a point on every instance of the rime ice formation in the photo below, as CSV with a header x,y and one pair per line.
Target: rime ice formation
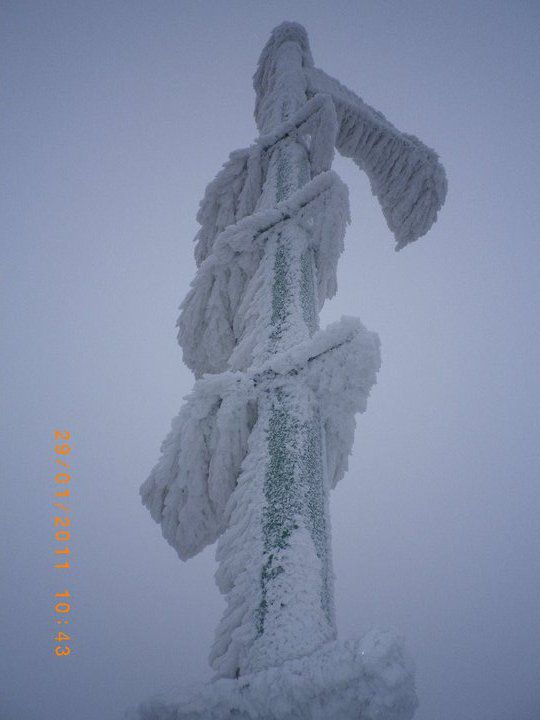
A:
x,y
267,430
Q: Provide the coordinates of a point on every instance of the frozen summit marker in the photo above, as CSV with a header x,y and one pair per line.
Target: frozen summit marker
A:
x,y
266,432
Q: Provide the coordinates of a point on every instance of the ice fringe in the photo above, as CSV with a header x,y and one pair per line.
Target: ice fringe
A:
x,y
371,679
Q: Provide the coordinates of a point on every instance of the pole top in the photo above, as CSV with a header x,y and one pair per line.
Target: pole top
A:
x,y
286,32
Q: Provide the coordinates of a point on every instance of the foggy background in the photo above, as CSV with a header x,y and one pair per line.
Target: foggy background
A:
x,y
115,117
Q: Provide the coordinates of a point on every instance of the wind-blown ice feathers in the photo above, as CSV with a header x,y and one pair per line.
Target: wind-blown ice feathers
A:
x,y
221,204
234,192
405,175
189,488
211,320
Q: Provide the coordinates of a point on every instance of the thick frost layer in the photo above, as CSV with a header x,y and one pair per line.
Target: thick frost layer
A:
x,y
267,77
328,376
316,119
340,365
227,198
189,488
234,192
371,679
211,323
405,174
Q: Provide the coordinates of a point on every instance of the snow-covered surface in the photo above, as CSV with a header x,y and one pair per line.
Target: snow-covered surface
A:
x,y
371,679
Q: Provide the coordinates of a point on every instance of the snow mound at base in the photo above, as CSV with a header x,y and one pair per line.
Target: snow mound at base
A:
x,y
368,679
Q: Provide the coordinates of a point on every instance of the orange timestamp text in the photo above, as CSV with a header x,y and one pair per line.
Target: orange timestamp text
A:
x,y
62,536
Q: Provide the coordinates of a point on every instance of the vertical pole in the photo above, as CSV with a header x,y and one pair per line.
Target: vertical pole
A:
x,y
295,613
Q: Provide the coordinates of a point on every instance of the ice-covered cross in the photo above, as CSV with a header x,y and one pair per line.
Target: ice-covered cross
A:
x,y
266,432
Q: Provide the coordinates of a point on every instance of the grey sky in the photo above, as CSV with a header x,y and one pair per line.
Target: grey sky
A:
x,y
116,116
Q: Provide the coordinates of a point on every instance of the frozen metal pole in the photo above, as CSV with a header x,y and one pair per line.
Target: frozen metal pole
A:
x,y
267,430
293,617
